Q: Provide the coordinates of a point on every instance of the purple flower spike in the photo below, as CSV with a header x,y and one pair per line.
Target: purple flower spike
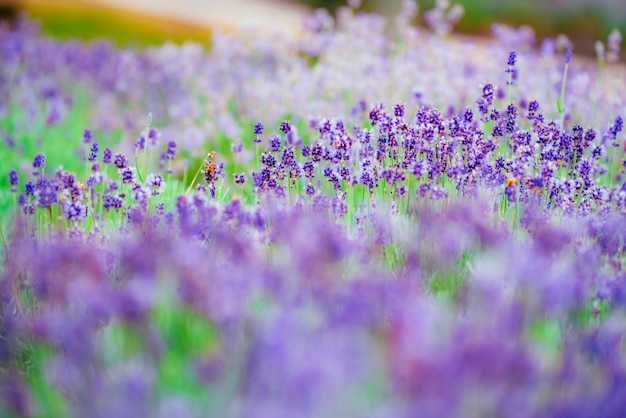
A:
x,y
140,143
93,154
155,183
285,127
274,143
171,150
488,91
39,161
87,136
568,55
45,192
512,58
153,134
13,180
107,155
74,211
398,111
240,178
120,161
29,188
258,128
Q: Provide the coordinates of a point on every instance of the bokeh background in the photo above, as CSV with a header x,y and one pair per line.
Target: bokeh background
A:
x,y
151,22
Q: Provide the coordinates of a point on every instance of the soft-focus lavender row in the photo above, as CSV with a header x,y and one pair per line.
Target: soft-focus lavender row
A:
x,y
316,320
196,94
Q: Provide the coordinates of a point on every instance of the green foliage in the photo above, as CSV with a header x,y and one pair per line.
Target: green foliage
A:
x,y
123,27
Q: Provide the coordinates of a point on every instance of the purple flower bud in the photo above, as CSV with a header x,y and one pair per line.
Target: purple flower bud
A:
x,y
468,116
258,128
309,169
616,127
120,161
87,136
93,154
537,182
155,183
128,176
568,55
29,188
13,180
257,179
240,178
275,143
512,58
511,193
112,202
107,155
140,143
74,211
39,161
285,127
488,91
268,159
171,150
398,111
45,192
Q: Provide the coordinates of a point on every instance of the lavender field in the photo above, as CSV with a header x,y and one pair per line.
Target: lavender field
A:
x,y
369,220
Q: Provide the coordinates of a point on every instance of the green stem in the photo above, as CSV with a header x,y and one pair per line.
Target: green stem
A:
x,y
194,178
4,244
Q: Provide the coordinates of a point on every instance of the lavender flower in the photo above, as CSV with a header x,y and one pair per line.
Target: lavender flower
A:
x,y
140,143
120,161
170,153
39,161
87,136
112,202
29,188
285,127
45,192
617,127
258,128
155,183
398,110
13,180
74,211
512,59
153,134
93,153
274,144
240,178
128,175
512,70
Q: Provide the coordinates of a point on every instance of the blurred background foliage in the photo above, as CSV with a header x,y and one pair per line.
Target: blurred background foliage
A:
x,y
79,19
583,21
